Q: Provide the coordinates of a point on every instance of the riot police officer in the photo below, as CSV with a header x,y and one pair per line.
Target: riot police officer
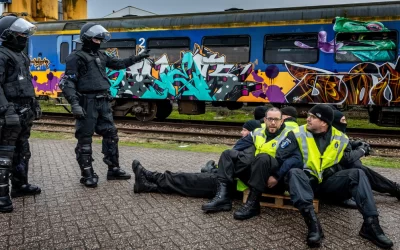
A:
x,y
18,109
86,87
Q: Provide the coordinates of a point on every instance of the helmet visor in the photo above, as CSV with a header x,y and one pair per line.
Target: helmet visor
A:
x,y
98,32
23,28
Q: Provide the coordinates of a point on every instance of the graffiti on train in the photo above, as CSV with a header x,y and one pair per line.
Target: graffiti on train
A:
x,y
364,84
199,75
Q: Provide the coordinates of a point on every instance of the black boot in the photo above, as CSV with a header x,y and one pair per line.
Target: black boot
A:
x,y
6,205
111,158
6,154
19,180
251,208
25,190
150,176
89,177
209,167
142,185
396,192
350,203
84,157
222,200
315,234
371,230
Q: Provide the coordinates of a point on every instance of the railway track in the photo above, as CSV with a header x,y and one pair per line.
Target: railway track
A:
x,y
225,126
199,131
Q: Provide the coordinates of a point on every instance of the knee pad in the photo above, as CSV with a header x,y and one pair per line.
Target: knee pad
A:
x,y
84,148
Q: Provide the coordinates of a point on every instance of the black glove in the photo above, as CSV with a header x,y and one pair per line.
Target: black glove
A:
x,y
78,111
365,147
355,143
11,116
142,55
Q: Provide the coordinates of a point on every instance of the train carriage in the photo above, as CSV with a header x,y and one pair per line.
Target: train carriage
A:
x,y
344,55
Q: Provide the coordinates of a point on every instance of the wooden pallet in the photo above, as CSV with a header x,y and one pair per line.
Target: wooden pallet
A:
x,y
277,201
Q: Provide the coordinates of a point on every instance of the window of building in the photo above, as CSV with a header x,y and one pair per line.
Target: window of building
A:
x,y
172,47
235,48
119,48
64,51
298,48
366,47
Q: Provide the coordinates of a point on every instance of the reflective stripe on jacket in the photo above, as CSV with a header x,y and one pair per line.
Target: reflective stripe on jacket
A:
x,y
314,162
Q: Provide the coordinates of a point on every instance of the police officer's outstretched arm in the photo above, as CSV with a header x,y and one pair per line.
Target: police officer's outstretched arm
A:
x,y
352,155
7,109
116,63
68,85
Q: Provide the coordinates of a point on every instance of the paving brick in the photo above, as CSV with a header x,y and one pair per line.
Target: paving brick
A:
x,y
67,215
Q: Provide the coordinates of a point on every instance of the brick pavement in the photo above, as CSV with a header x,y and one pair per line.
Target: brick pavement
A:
x,y
68,216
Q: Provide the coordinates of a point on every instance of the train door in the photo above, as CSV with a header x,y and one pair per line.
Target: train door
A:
x,y
64,48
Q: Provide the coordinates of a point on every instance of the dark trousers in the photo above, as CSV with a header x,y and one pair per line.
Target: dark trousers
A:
x,y
234,164
342,185
19,137
202,185
99,119
378,182
261,169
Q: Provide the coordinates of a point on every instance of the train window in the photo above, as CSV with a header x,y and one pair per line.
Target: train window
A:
x,y
299,48
172,47
119,48
64,51
235,48
366,47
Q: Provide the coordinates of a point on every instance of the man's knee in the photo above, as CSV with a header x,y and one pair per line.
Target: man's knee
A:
x,y
295,172
230,153
356,174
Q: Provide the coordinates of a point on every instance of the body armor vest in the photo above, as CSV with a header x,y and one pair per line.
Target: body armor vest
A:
x,y
94,78
18,83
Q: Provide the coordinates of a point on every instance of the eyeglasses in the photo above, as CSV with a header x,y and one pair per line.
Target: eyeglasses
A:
x,y
270,119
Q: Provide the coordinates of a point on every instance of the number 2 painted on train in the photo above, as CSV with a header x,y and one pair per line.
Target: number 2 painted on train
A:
x,y
142,41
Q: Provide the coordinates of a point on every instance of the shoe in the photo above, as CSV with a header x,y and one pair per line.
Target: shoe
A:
x,y
142,185
371,230
116,173
350,203
6,205
209,167
397,191
251,208
150,176
315,234
221,201
25,190
89,177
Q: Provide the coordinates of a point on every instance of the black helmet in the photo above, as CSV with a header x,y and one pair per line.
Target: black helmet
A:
x,y
12,26
92,30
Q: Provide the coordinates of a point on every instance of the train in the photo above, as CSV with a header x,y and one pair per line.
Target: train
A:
x,y
345,55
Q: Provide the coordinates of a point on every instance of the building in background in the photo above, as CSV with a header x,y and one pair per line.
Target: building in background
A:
x,y
130,11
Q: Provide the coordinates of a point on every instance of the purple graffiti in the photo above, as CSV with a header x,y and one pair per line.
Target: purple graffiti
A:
x,y
323,45
50,86
272,71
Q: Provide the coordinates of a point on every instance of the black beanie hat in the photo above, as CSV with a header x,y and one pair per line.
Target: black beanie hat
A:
x,y
323,112
259,112
252,125
337,115
290,111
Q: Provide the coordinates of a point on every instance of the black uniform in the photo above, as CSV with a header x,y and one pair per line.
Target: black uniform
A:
x,y
86,87
18,109
232,162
